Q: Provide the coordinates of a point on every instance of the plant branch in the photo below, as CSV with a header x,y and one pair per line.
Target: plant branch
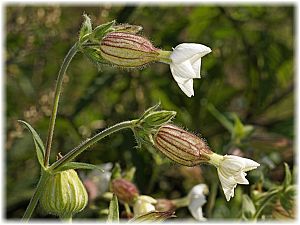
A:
x,y
58,88
82,147
36,196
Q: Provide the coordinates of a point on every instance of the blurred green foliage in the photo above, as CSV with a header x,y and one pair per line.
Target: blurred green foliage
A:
x,y
248,80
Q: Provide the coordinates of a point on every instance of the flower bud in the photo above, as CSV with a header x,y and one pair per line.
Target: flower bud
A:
x,y
181,146
144,204
127,50
124,190
165,205
64,194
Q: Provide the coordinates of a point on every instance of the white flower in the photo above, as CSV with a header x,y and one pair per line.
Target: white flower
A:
x,y
143,205
196,200
186,63
232,171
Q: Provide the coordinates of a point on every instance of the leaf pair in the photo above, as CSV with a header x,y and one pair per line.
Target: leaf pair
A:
x,y
40,152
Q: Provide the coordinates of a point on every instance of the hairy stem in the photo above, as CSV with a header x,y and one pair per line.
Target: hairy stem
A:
x,y
83,146
36,196
58,88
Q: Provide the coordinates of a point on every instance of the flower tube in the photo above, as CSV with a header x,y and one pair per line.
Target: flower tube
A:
x,y
189,150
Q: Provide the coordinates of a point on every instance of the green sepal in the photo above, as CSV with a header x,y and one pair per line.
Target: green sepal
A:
x,y
150,110
77,165
113,211
116,172
39,146
101,30
86,28
93,55
153,217
133,29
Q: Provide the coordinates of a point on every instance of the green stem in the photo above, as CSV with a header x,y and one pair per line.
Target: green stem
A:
x,y
80,148
36,196
181,202
58,88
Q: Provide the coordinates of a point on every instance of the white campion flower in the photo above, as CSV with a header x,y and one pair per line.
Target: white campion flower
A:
x,y
186,63
197,199
232,171
144,204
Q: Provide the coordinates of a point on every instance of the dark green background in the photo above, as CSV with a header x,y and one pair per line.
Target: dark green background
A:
x,y
250,72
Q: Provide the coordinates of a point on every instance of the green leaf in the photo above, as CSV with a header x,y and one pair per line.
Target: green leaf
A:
x,y
101,30
220,117
288,176
86,27
287,199
116,172
248,208
39,146
113,211
77,165
152,217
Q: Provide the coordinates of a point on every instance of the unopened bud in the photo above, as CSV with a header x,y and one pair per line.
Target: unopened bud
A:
x,y
64,194
128,50
124,190
165,205
181,146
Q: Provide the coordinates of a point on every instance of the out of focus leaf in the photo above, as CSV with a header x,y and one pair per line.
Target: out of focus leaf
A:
x,y
113,211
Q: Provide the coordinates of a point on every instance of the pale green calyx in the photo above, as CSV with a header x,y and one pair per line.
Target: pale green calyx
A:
x,y
64,194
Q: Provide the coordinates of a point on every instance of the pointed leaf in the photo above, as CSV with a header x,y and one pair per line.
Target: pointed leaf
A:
x,y
113,211
86,27
134,29
78,165
103,29
288,176
39,146
116,172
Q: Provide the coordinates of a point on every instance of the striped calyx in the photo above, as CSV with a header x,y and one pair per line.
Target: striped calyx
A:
x,y
127,50
64,194
181,146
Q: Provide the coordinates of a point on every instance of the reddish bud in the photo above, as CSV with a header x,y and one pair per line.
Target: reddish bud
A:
x,y
124,190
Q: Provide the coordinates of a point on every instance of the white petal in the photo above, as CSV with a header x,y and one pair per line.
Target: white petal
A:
x,y
228,184
196,64
187,87
184,70
250,165
185,51
241,178
198,190
195,208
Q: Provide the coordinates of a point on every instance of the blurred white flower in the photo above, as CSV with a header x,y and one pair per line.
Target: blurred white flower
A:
x,y
232,171
97,182
186,64
196,200
144,204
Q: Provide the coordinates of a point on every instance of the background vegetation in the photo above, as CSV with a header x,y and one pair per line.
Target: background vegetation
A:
x,y
248,77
